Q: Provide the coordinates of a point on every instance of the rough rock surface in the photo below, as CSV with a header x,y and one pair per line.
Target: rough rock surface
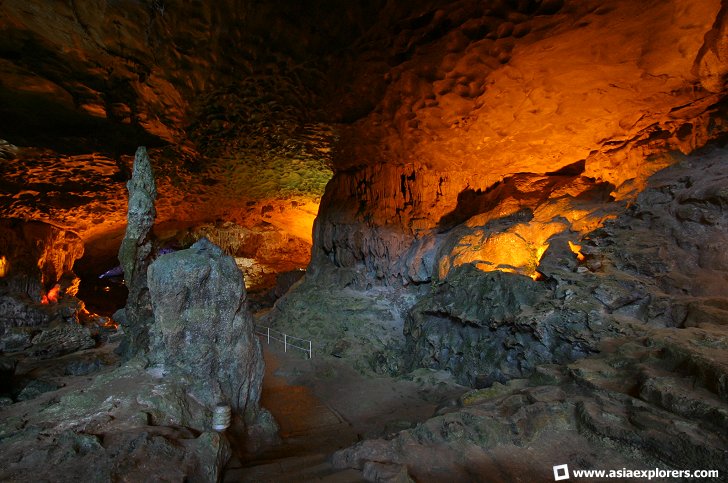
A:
x,y
149,419
413,104
638,301
651,402
262,252
135,253
471,138
487,327
124,425
659,262
480,108
203,331
21,311
35,255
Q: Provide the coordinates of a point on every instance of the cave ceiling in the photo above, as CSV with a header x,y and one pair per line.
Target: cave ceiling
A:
x,y
248,107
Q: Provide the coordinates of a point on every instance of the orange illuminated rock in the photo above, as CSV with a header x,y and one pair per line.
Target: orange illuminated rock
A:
x,y
424,113
474,124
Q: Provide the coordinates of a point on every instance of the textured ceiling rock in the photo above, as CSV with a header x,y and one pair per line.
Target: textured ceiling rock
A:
x,y
712,64
233,85
523,93
505,86
414,105
143,63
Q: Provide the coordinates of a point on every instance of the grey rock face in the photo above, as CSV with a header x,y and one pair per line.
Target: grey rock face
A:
x,y
20,311
135,252
203,331
488,327
662,262
655,401
60,340
34,388
123,425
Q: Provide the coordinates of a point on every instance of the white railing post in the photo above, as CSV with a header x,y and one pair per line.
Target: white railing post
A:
x,y
268,337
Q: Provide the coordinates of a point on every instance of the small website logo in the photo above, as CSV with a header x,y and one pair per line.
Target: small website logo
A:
x,y
561,472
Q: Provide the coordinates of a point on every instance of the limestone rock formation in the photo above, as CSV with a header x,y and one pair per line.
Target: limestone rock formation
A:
x,y
493,326
35,255
261,251
123,425
515,183
478,108
203,331
712,63
658,263
135,252
35,258
643,296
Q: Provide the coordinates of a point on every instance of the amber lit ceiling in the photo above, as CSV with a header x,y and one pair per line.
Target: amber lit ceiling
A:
x,y
248,105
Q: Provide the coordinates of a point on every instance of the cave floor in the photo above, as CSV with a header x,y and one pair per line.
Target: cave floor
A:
x,y
323,405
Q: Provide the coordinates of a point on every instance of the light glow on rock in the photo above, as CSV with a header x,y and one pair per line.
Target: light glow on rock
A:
x,y
577,251
51,296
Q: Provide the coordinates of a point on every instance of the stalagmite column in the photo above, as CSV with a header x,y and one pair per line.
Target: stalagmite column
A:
x,y
135,254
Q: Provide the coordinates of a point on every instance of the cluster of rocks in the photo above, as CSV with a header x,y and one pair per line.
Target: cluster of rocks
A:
x,y
40,317
189,348
653,401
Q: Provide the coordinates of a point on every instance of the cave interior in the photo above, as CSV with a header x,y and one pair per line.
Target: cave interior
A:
x,y
386,240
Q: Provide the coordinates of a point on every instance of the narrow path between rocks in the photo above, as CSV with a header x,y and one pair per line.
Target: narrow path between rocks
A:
x,y
323,405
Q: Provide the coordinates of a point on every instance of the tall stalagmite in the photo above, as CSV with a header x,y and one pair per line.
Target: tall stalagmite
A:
x,y
135,253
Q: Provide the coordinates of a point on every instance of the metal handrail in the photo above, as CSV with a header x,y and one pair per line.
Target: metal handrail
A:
x,y
267,334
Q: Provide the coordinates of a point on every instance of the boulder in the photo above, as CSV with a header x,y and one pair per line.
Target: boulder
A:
x,y
488,327
60,340
203,331
20,311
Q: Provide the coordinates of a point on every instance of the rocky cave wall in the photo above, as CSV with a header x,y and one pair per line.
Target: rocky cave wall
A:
x,y
493,184
459,132
498,113
223,94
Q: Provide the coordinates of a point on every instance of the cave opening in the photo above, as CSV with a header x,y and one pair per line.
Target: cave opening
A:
x,y
450,240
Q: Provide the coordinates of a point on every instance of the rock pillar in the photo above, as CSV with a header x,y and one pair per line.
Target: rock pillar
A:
x,y
135,254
